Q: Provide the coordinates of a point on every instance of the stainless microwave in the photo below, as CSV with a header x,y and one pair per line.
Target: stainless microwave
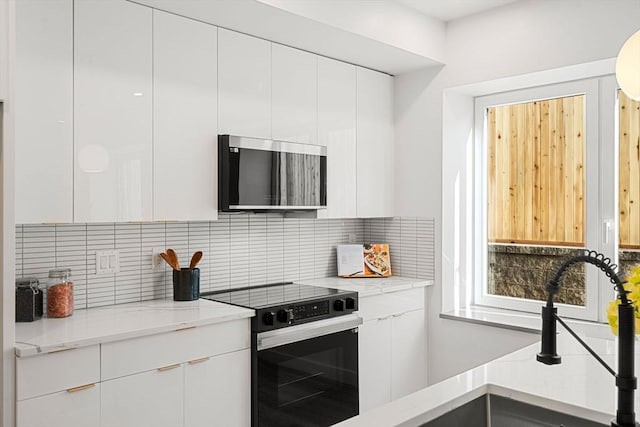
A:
x,y
265,175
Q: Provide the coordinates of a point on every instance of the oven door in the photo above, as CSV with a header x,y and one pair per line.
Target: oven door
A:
x,y
306,375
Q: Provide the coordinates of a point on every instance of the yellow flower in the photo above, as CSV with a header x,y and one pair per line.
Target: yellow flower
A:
x,y
632,285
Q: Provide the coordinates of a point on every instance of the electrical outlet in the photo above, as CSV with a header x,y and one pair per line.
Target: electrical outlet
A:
x,y
352,237
156,259
107,262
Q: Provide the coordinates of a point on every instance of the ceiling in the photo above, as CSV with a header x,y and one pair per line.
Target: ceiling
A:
x,y
447,10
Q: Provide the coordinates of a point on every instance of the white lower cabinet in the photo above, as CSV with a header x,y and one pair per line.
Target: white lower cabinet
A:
x,y
148,399
374,364
59,388
191,377
392,347
76,407
218,388
408,353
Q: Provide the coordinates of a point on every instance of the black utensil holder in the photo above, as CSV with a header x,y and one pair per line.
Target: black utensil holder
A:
x,y
186,284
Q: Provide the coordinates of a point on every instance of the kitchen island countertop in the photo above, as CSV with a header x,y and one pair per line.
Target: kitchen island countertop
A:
x,y
579,386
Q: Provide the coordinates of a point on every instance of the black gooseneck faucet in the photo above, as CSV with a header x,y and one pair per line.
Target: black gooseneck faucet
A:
x,y
625,378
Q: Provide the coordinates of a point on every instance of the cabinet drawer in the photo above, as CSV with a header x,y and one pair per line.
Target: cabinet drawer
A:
x,y
127,357
75,408
391,303
57,371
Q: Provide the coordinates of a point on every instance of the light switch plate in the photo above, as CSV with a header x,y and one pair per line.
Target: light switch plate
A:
x,y
107,262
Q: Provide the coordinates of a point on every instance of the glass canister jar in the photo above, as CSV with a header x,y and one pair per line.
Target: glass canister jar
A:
x,y
59,293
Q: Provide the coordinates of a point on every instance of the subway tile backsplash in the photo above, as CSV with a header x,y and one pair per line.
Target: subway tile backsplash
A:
x,y
239,250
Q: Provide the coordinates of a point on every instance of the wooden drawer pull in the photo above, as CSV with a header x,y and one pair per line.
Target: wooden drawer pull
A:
x,y
168,368
196,361
80,388
58,350
185,328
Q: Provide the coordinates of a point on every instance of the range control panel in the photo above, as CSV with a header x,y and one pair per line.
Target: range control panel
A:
x,y
292,314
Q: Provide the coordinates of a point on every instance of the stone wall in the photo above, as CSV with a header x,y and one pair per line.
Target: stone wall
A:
x,y
628,260
523,271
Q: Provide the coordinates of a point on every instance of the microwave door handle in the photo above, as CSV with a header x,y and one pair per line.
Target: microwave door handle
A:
x,y
271,339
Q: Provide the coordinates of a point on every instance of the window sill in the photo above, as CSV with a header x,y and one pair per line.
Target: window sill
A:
x,y
522,321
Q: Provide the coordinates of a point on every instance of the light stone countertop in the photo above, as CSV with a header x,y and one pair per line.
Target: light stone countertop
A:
x,y
367,286
116,322
579,386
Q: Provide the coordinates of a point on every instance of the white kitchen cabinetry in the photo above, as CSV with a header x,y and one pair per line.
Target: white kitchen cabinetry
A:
x,y
148,399
113,111
185,112
73,408
337,131
392,347
244,85
44,111
294,95
59,389
218,385
183,378
375,144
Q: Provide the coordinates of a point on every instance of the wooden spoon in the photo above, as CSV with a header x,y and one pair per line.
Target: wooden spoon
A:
x,y
173,256
168,260
195,259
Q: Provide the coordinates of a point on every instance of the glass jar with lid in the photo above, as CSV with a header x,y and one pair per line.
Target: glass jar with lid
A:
x,y
59,293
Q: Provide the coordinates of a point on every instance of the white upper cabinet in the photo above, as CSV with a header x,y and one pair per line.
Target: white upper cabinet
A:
x,y
375,144
44,111
244,85
337,131
113,111
295,95
185,119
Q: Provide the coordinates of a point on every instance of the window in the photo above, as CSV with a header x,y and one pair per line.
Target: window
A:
x,y
629,181
537,196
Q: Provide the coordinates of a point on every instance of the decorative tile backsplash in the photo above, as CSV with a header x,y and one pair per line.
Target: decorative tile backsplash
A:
x,y
239,250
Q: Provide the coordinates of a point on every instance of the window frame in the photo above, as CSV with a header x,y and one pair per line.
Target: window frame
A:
x,y
596,170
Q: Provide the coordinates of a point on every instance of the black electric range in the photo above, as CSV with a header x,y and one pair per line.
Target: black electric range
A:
x,y
304,353
281,305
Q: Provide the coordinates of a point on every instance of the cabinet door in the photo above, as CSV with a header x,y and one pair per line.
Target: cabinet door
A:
x,y
408,353
218,388
374,360
185,119
244,85
375,144
295,95
337,131
149,399
113,108
44,111
78,407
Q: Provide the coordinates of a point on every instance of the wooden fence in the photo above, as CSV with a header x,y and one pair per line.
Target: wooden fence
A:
x,y
536,155
629,169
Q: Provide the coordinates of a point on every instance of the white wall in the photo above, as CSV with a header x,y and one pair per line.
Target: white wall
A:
x,y
519,38
7,294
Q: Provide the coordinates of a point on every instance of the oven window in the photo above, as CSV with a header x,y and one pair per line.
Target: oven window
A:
x,y
309,383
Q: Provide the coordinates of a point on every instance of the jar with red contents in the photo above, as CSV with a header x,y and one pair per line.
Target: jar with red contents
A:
x,y
59,293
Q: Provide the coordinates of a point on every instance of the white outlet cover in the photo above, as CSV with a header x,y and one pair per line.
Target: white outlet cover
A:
x,y
107,262
156,259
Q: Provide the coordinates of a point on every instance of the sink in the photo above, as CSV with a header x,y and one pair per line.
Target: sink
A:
x,y
491,410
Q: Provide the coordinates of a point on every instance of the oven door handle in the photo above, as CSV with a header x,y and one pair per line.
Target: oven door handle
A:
x,y
270,339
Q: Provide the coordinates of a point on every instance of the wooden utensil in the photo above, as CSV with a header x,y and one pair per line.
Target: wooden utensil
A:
x,y
168,260
195,259
173,256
